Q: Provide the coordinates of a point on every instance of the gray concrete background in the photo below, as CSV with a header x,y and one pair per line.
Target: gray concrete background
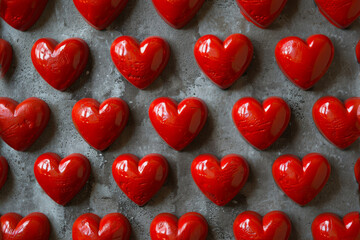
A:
x,y
181,78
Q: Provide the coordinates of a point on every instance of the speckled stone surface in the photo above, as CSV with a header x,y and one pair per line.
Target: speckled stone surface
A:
x,y
181,78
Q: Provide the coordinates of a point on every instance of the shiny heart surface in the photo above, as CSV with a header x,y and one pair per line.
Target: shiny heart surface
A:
x,y
34,226
100,13
5,57
338,122
357,171
341,13
21,124
220,181
273,226
178,124
261,13
301,180
4,169
140,63
261,124
191,226
357,51
21,14
113,226
100,124
304,63
62,179
60,64
141,179
223,62
177,13
328,226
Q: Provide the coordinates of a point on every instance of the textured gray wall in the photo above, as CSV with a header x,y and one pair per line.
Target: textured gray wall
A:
x,y
181,79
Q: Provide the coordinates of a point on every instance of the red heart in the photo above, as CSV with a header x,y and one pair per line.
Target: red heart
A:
x,y
301,180
60,64
357,51
223,62
191,226
113,226
178,124
261,125
250,225
177,13
338,123
100,125
33,226
4,169
341,13
21,124
328,226
5,56
357,171
100,13
62,179
261,13
21,14
220,182
304,63
141,63
140,180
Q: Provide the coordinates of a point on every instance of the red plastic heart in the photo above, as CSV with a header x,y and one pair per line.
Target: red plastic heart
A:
x,y
357,51
5,57
357,171
4,169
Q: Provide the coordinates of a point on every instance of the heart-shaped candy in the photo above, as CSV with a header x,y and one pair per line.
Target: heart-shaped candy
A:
x,y
357,171
34,226
140,63
304,63
357,51
261,13
220,181
261,125
100,125
113,226
21,14
328,226
5,56
62,179
141,179
341,13
60,64
21,124
338,122
178,124
301,180
4,169
100,13
223,62
191,226
273,226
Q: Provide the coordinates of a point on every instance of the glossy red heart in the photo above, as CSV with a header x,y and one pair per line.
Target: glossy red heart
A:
x,y
191,226
261,13
60,64
5,57
220,181
113,226
341,13
357,51
141,179
62,179
100,125
21,124
273,226
100,13
328,226
177,13
21,14
301,180
338,122
357,171
178,124
304,63
141,63
33,226
223,62
261,124
4,169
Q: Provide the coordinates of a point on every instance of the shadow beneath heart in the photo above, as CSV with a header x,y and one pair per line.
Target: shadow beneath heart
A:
x,y
10,73
124,16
